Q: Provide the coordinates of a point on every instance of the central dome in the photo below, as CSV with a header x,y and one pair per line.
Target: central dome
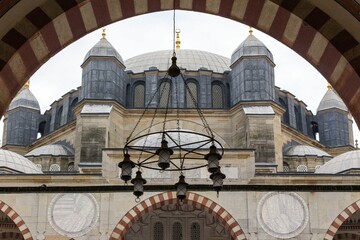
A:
x,y
191,60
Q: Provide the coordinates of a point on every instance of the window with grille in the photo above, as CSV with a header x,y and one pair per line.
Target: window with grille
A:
x,y
164,92
139,96
217,96
54,168
158,231
302,168
71,167
177,231
191,91
195,231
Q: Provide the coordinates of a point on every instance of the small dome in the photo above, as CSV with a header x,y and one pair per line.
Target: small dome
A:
x,y
343,162
104,49
25,99
11,161
331,100
191,60
251,46
51,150
304,150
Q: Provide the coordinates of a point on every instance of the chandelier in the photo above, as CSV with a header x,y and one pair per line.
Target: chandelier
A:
x,y
173,149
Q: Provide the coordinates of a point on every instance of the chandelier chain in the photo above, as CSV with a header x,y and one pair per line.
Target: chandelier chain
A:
x,y
174,30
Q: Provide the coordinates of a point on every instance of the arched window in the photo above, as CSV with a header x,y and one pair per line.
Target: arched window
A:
x,y
41,129
71,167
139,96
71,110
217,96
301,168
165,94
177,231
58,117
158,231
39,166
191,91
195,231
128,95
286,167
285,116
298,119
54,168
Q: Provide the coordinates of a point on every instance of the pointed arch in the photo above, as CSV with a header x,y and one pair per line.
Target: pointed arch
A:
x,y
166,198
15,217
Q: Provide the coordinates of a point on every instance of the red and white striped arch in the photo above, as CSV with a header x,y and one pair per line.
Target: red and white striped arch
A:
x,y
193,199
340,219
8,211
325,34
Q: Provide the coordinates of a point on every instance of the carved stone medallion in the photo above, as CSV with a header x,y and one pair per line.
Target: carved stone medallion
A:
x,y
73,215
282,215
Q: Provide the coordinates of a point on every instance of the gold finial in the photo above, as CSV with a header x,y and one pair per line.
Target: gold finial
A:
x,y
329,86
103,33
27,84
250,31
356,144
177,39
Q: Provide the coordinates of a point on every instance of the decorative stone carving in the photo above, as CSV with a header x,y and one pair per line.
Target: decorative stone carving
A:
x,y
73,215
282,215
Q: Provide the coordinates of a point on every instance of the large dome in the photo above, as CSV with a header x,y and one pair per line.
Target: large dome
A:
x,y
304,150
51,150
251,46
104,49
25,99
191,60
331,100
13,162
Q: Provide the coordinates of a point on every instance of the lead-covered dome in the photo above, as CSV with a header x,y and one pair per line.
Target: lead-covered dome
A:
x,y
25,99
11,162
331,100
305,150
104,49
342,164
191,60
51,150
251,46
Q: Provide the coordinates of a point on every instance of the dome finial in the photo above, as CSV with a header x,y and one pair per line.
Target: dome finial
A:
x,y
103,33
27,84
329,86
177,39
250,31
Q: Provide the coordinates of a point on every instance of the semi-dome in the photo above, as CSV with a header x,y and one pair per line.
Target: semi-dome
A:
x,y
11,162
305,150
191,60
251,46
104,49
331,100
342,163
51,150
25,99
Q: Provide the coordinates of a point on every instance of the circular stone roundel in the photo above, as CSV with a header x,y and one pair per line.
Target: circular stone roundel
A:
x,y
282,215
73,215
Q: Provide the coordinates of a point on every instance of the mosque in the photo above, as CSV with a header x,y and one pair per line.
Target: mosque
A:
x,y
290,173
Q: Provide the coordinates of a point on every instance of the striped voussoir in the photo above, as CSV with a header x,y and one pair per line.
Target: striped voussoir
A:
x,y
305,28
8,211
340,219
193,199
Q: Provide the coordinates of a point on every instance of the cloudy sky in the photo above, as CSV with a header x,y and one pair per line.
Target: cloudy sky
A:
x,y
152,32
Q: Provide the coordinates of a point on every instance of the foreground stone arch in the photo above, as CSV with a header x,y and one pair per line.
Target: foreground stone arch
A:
x,y
340,219
325,33
162,199
15,217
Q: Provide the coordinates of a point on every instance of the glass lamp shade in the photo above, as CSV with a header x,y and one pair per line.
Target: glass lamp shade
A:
x,y
126,168
218,179
181,187
138,182
213,158
164,155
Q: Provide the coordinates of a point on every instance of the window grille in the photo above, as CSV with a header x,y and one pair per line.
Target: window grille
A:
x,y
177,231
54,168
193,90
286,168
71,167
302,168
139,96
158,231
195,231
164,92
217,96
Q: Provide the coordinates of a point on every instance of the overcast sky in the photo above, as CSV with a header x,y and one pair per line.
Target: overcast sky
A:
x,y
152,32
